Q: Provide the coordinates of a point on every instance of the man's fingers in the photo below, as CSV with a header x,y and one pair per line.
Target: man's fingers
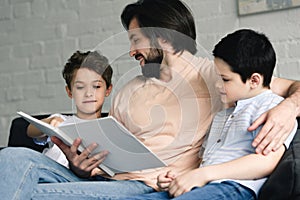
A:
x,y
259,121
265,129
260,140
279,144
272,141
56,140
267,137
75,145
94,161
87,151
65,148
95,164
101,156
278,140
269,147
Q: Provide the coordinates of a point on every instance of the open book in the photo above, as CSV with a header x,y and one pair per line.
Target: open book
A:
x,y
126,152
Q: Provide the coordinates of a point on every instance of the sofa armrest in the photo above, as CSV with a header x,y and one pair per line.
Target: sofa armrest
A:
x,y
284,182
18,134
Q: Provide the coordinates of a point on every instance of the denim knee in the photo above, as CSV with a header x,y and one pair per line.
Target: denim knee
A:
x,y
18,153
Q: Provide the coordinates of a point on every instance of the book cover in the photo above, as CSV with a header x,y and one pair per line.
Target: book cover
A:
x,y
126,152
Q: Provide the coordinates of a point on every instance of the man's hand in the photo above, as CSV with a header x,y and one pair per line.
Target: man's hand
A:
x,y
279,123
81,164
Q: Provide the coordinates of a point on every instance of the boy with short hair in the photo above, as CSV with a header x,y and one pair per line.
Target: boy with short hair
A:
x,y
245,61
88,82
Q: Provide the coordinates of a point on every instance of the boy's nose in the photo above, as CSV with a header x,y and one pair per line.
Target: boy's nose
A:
x,y
219,83
89,93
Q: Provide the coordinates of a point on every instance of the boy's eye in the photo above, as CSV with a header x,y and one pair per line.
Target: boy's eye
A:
x,y
97,86
79,87
225,80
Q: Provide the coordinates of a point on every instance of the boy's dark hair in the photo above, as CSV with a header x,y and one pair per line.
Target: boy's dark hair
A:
x,y
168,19
247,52
90,60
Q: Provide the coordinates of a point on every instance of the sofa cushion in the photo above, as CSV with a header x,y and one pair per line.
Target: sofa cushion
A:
x,y
284,182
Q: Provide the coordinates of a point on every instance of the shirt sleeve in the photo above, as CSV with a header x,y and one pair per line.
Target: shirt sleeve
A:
x,y
288,141
42,142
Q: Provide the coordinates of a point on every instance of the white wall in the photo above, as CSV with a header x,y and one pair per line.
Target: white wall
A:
x,y
37,37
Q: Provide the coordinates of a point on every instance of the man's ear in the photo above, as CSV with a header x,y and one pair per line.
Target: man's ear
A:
x,y
164,45
256,80
108,90
69,92
161,41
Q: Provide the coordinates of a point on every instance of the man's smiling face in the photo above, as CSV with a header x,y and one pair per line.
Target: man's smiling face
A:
x,y
141,49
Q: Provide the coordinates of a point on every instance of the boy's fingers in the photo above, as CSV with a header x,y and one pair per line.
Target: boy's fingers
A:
x,y
163,186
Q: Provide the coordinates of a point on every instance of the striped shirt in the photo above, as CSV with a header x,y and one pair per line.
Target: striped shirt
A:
x,y
229,139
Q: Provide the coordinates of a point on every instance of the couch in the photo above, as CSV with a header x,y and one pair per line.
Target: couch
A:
x,y
283,183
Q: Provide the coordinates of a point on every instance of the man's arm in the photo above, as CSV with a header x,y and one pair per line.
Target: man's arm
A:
x,y
279,121
252,166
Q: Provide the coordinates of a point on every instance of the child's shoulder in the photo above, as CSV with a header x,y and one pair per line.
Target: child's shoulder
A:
x,y
269,99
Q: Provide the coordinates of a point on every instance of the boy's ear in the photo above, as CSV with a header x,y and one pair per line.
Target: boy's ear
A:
x,y
256,80
108,90
69,92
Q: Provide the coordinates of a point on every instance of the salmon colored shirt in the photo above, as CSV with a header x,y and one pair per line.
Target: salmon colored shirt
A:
x,y
170,118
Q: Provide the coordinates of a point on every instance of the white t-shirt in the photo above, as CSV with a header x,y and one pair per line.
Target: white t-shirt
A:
x,y
54,151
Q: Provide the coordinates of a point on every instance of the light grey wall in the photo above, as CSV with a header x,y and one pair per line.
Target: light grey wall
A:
x,y
37,37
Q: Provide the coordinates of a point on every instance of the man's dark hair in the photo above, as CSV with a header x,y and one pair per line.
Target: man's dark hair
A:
x,y
90,60
247,52
168,19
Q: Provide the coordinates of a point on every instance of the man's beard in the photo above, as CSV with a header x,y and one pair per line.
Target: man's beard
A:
x,y
153,64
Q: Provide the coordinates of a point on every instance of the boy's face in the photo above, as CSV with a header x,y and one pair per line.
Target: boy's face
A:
x,y
88,91
231,87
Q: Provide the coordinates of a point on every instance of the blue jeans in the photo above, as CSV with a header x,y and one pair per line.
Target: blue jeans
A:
x,y
27,174
227,190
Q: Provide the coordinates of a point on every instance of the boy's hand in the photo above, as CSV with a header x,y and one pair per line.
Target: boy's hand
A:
x,y
185,182
55,121
81,164
164,180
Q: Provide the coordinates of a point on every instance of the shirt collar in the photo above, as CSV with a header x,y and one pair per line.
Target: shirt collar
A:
x,y
244,102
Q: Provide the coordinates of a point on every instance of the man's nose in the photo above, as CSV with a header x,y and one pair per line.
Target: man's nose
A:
x,y
132,51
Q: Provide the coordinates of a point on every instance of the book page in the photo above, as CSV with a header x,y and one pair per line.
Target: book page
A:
x,y
126,152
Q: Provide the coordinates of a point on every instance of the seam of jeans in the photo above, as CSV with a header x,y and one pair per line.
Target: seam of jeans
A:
x,y
23,182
